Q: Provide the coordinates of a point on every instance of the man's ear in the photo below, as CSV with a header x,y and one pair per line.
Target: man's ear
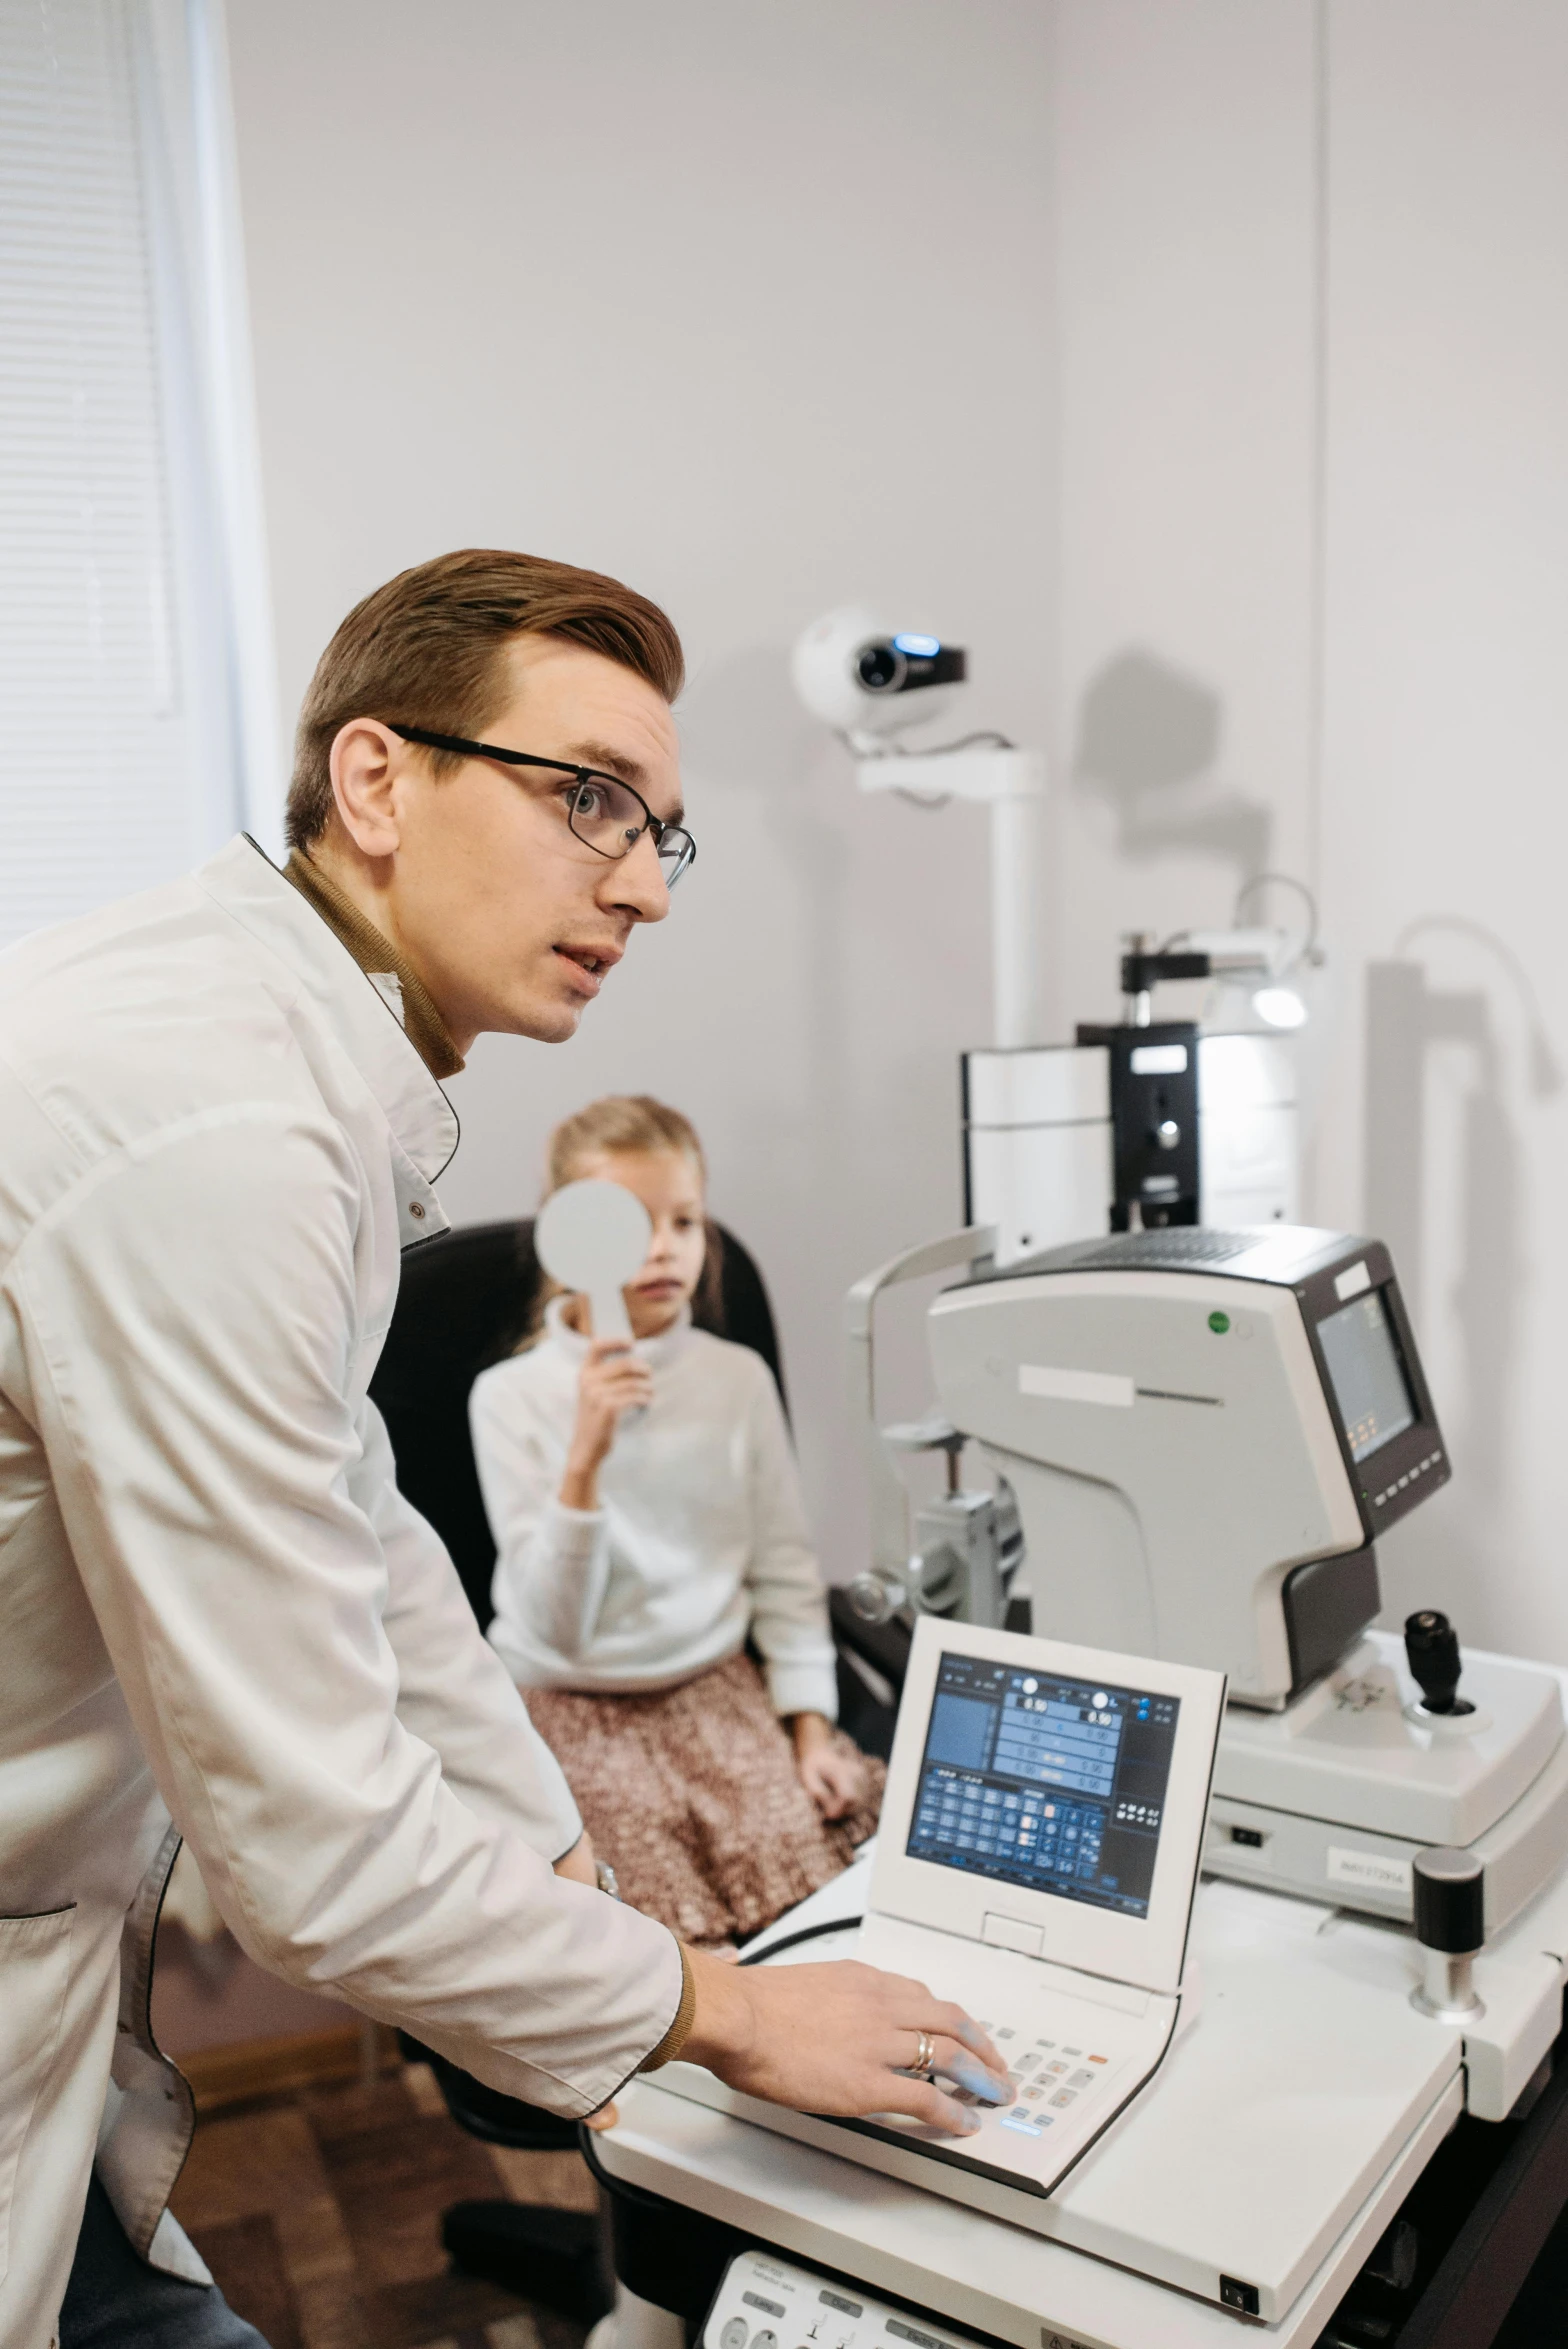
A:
x,y
365,763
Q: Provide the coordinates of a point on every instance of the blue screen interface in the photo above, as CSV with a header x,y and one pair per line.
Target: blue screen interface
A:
x,y
1057,1785
1370,1386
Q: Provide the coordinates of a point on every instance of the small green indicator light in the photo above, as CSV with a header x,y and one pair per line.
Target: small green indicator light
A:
x,y
1219,1323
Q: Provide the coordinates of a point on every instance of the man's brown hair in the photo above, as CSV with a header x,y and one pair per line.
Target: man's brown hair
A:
x,y
427,650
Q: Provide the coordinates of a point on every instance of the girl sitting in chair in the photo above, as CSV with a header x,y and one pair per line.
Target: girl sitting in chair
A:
x,y
648,1521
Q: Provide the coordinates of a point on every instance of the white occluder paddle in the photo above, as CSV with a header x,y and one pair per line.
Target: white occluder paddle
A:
x,y
593,1238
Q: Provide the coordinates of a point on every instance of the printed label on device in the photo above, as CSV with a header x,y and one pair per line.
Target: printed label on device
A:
x,y
1373,1871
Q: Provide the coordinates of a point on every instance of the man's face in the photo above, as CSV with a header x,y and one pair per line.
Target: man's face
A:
x,y
512,921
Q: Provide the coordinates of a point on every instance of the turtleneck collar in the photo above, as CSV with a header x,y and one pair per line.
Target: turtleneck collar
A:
x,y
656,1352
382,963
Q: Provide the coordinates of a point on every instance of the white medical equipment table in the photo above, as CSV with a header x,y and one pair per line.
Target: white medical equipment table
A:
x,y
1211,1431
1281,2142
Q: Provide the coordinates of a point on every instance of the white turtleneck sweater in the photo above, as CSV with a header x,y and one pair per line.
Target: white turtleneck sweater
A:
x,y
700,1537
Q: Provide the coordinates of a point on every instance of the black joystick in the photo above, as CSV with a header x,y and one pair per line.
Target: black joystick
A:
x,y
1432,1649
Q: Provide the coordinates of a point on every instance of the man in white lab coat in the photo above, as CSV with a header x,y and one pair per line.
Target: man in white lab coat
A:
x,y
220,1125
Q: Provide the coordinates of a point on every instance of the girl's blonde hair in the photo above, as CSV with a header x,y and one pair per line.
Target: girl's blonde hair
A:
x,y
626,1122
620,1122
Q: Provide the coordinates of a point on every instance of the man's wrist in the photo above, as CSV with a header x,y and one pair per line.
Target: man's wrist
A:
x,y
673,2044
723,2017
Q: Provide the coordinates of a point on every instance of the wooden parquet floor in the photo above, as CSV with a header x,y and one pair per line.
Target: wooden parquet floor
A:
x,y
319,2214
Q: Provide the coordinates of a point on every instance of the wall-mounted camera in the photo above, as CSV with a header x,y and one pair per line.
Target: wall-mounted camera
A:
x,y
867,679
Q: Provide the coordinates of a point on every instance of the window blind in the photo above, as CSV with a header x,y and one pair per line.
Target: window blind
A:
x,y
116,768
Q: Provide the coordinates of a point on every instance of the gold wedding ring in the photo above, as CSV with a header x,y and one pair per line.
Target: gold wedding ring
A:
x,y
924,2064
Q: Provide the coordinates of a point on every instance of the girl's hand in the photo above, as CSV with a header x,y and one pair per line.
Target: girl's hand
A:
x,y
613,1379
834,1780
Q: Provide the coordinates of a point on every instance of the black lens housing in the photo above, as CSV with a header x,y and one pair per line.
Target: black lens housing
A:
x,y
882,667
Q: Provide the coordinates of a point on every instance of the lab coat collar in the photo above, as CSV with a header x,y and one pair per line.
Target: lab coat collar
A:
x,y
245,882
656,1352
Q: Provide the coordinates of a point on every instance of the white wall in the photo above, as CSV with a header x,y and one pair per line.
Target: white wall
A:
x,y
1185,265
1314,326
1446,732
749,306
765,307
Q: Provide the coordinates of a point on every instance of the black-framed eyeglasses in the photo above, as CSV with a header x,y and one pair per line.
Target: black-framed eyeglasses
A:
x,y
604,812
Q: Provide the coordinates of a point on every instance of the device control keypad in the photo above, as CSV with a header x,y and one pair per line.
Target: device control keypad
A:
x,y
1041,2076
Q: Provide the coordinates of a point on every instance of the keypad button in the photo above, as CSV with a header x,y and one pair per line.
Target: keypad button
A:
x,y
1065,2096
735,2334
1081,2080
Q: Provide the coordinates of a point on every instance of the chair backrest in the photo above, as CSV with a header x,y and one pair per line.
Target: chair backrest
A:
x,y
464,1301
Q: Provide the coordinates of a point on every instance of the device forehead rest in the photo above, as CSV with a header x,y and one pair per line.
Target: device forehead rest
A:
x,y
1285,1255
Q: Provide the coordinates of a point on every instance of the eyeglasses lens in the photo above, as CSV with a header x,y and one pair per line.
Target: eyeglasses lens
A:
x,y
605,814
611,818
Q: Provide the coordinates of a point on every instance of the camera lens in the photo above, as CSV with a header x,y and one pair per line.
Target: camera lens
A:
x,y
881,667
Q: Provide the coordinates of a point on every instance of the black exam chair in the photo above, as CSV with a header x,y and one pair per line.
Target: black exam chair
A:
x,y
464,1302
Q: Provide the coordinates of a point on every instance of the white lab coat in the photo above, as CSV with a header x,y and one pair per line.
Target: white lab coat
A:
x,y
215,1141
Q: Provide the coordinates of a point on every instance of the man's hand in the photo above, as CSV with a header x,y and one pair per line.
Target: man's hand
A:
x,y
613,1379
834,1779
836,2039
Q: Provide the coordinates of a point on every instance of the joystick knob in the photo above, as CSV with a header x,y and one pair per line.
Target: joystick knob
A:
x,y
1450,1919
1432,1650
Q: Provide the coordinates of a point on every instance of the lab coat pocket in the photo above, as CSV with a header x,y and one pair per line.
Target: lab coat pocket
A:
x,y
35,1972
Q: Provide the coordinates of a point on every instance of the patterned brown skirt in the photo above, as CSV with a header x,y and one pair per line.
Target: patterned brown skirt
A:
x,y
692,1797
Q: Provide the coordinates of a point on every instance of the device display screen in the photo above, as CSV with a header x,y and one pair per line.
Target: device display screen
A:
x,y
1053,1784
1374,1398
